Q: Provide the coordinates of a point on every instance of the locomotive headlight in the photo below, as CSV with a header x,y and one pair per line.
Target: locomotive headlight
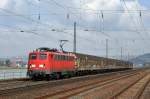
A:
x,y
33,65
41,65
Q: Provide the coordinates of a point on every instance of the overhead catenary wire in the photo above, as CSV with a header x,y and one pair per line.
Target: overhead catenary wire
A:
x,y
38,22
141,20
84,38
24,17
142,23
28,18
55,2
132,19
64,7
102,16
128,11
21,30
104,10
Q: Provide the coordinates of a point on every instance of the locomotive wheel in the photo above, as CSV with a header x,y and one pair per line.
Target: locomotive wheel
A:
x,y
47,77
58,76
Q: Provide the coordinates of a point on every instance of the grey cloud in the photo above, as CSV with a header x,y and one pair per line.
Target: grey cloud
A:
x,y
56,17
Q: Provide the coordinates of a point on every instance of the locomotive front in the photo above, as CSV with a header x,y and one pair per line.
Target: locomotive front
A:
x,y
38,64
50,63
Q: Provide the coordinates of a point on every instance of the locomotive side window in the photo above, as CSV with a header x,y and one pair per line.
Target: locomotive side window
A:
x,y
66,58
43,56
60,57
33,56
71,58
56,57
63,58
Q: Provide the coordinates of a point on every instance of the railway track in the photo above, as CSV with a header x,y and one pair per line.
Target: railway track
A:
x,y
146,92
15,86
10,88
13,80
135,90
126,88
84,88
66,88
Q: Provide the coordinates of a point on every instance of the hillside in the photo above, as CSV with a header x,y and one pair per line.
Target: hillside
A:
x,y
140,60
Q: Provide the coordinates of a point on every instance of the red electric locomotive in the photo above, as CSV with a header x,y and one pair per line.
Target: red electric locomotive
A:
x,y
50,63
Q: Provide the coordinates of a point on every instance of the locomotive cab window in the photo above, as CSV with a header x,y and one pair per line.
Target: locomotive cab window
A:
x,y
43,56
57,57
33,56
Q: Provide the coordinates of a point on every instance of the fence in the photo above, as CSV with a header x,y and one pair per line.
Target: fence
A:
x,y
12,75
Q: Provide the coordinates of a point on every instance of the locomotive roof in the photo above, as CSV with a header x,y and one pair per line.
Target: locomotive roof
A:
x,y
45,49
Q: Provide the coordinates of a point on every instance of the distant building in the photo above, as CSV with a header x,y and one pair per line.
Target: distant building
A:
x,y
17,62
14,62
4,62
147,64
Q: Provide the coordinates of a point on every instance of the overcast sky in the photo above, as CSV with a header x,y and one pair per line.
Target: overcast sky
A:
x,y
28,24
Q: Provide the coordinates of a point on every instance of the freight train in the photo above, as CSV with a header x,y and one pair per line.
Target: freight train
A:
x,y
53,64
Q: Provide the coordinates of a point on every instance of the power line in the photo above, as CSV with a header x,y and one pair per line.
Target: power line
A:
x,y
129,11
19,29
132,19
119,11
62,6
141,20
24,17
19,15
142,23
75,13
41,24
38,22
